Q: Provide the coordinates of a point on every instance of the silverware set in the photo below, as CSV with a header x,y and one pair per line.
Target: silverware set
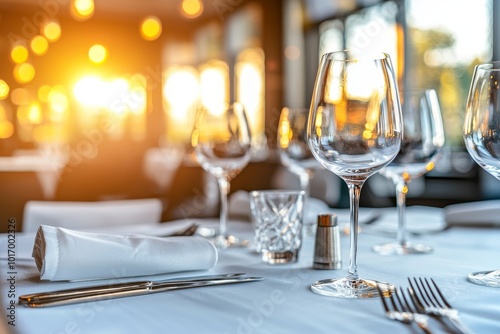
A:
x,y
423,300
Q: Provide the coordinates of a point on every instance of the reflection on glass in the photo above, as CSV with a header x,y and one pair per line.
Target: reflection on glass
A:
x,y
423,139
482,136
354,130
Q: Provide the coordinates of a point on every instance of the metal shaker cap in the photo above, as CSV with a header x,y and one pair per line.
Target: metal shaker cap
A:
x,y
327,219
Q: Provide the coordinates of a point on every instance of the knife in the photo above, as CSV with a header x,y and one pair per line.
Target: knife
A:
x,y
102,292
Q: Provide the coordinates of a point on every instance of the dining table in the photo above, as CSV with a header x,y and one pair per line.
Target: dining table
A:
x,y
283,301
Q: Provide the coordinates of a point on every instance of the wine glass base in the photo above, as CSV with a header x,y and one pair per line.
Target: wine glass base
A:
x,y
488,278
346,288
228,241
396,248
291,256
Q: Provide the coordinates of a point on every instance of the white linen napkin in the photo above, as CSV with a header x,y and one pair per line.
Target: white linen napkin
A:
x,y
480,213
62,254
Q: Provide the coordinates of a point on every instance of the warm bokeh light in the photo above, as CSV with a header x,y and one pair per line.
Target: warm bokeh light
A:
x,y
292,52
90,91
214,86
4,90
180,94
191,8
120,103
6,129
20,96
181,90
19,54
151,28
43,93
51,30
98,53
39,45
29,114
58,102
24,73
250,87
82,9
6,126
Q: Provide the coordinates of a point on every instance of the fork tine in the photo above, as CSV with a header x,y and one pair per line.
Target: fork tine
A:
x,y
384,303
417,295
431,292
406,303
440,294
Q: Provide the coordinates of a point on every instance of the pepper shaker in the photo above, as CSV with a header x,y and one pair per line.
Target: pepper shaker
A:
x,y
327,251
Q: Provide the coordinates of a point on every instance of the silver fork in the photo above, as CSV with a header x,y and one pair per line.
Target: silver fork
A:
x,y
428,299
399,309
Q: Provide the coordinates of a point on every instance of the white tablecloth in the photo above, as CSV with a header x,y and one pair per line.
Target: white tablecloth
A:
x,y
283,302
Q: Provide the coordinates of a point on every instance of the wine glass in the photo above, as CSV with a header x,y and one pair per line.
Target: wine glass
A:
x,y
422,142
222,145
294,151
482,136
355,129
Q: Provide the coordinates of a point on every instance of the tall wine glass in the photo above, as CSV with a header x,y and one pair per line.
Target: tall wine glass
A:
x,y
354,130
482,135
222,142
422,142
294,151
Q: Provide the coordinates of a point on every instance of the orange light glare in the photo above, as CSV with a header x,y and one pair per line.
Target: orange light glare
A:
x,y
82,9
39,45
58,100
6,129
192,8
4,90
52,31
98,53
30,114
19,54
24,73
214,86
20,96
151,28
43,93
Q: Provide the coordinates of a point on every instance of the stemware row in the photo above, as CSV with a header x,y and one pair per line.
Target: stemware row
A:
x,y
357,126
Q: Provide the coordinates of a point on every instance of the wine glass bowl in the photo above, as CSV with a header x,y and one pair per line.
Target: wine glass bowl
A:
x,y
423,140
354,130
222,146
482,136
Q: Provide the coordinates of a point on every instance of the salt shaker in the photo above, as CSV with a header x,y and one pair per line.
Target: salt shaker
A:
x,y
327,253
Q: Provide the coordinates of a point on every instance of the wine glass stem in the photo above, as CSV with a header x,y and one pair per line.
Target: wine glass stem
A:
x,y
401,190
354,194
305,179
224,191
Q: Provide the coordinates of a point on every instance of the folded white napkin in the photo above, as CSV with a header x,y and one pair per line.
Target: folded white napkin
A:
x,y
62,254
473,213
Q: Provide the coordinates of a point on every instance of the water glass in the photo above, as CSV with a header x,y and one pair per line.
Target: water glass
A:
x,y
277,217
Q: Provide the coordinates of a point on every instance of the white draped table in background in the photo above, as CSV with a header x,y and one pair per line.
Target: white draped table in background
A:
x,y
283,302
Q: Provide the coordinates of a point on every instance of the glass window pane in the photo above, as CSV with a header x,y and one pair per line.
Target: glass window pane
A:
x,y
331,36
374,29
446,39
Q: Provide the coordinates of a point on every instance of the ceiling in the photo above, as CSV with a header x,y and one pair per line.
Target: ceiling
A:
x,y
165,9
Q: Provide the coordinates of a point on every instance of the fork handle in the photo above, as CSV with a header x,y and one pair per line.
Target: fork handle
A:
x,y
422,323
457,324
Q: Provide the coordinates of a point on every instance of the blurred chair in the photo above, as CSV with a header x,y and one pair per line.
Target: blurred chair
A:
x,y
75,215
